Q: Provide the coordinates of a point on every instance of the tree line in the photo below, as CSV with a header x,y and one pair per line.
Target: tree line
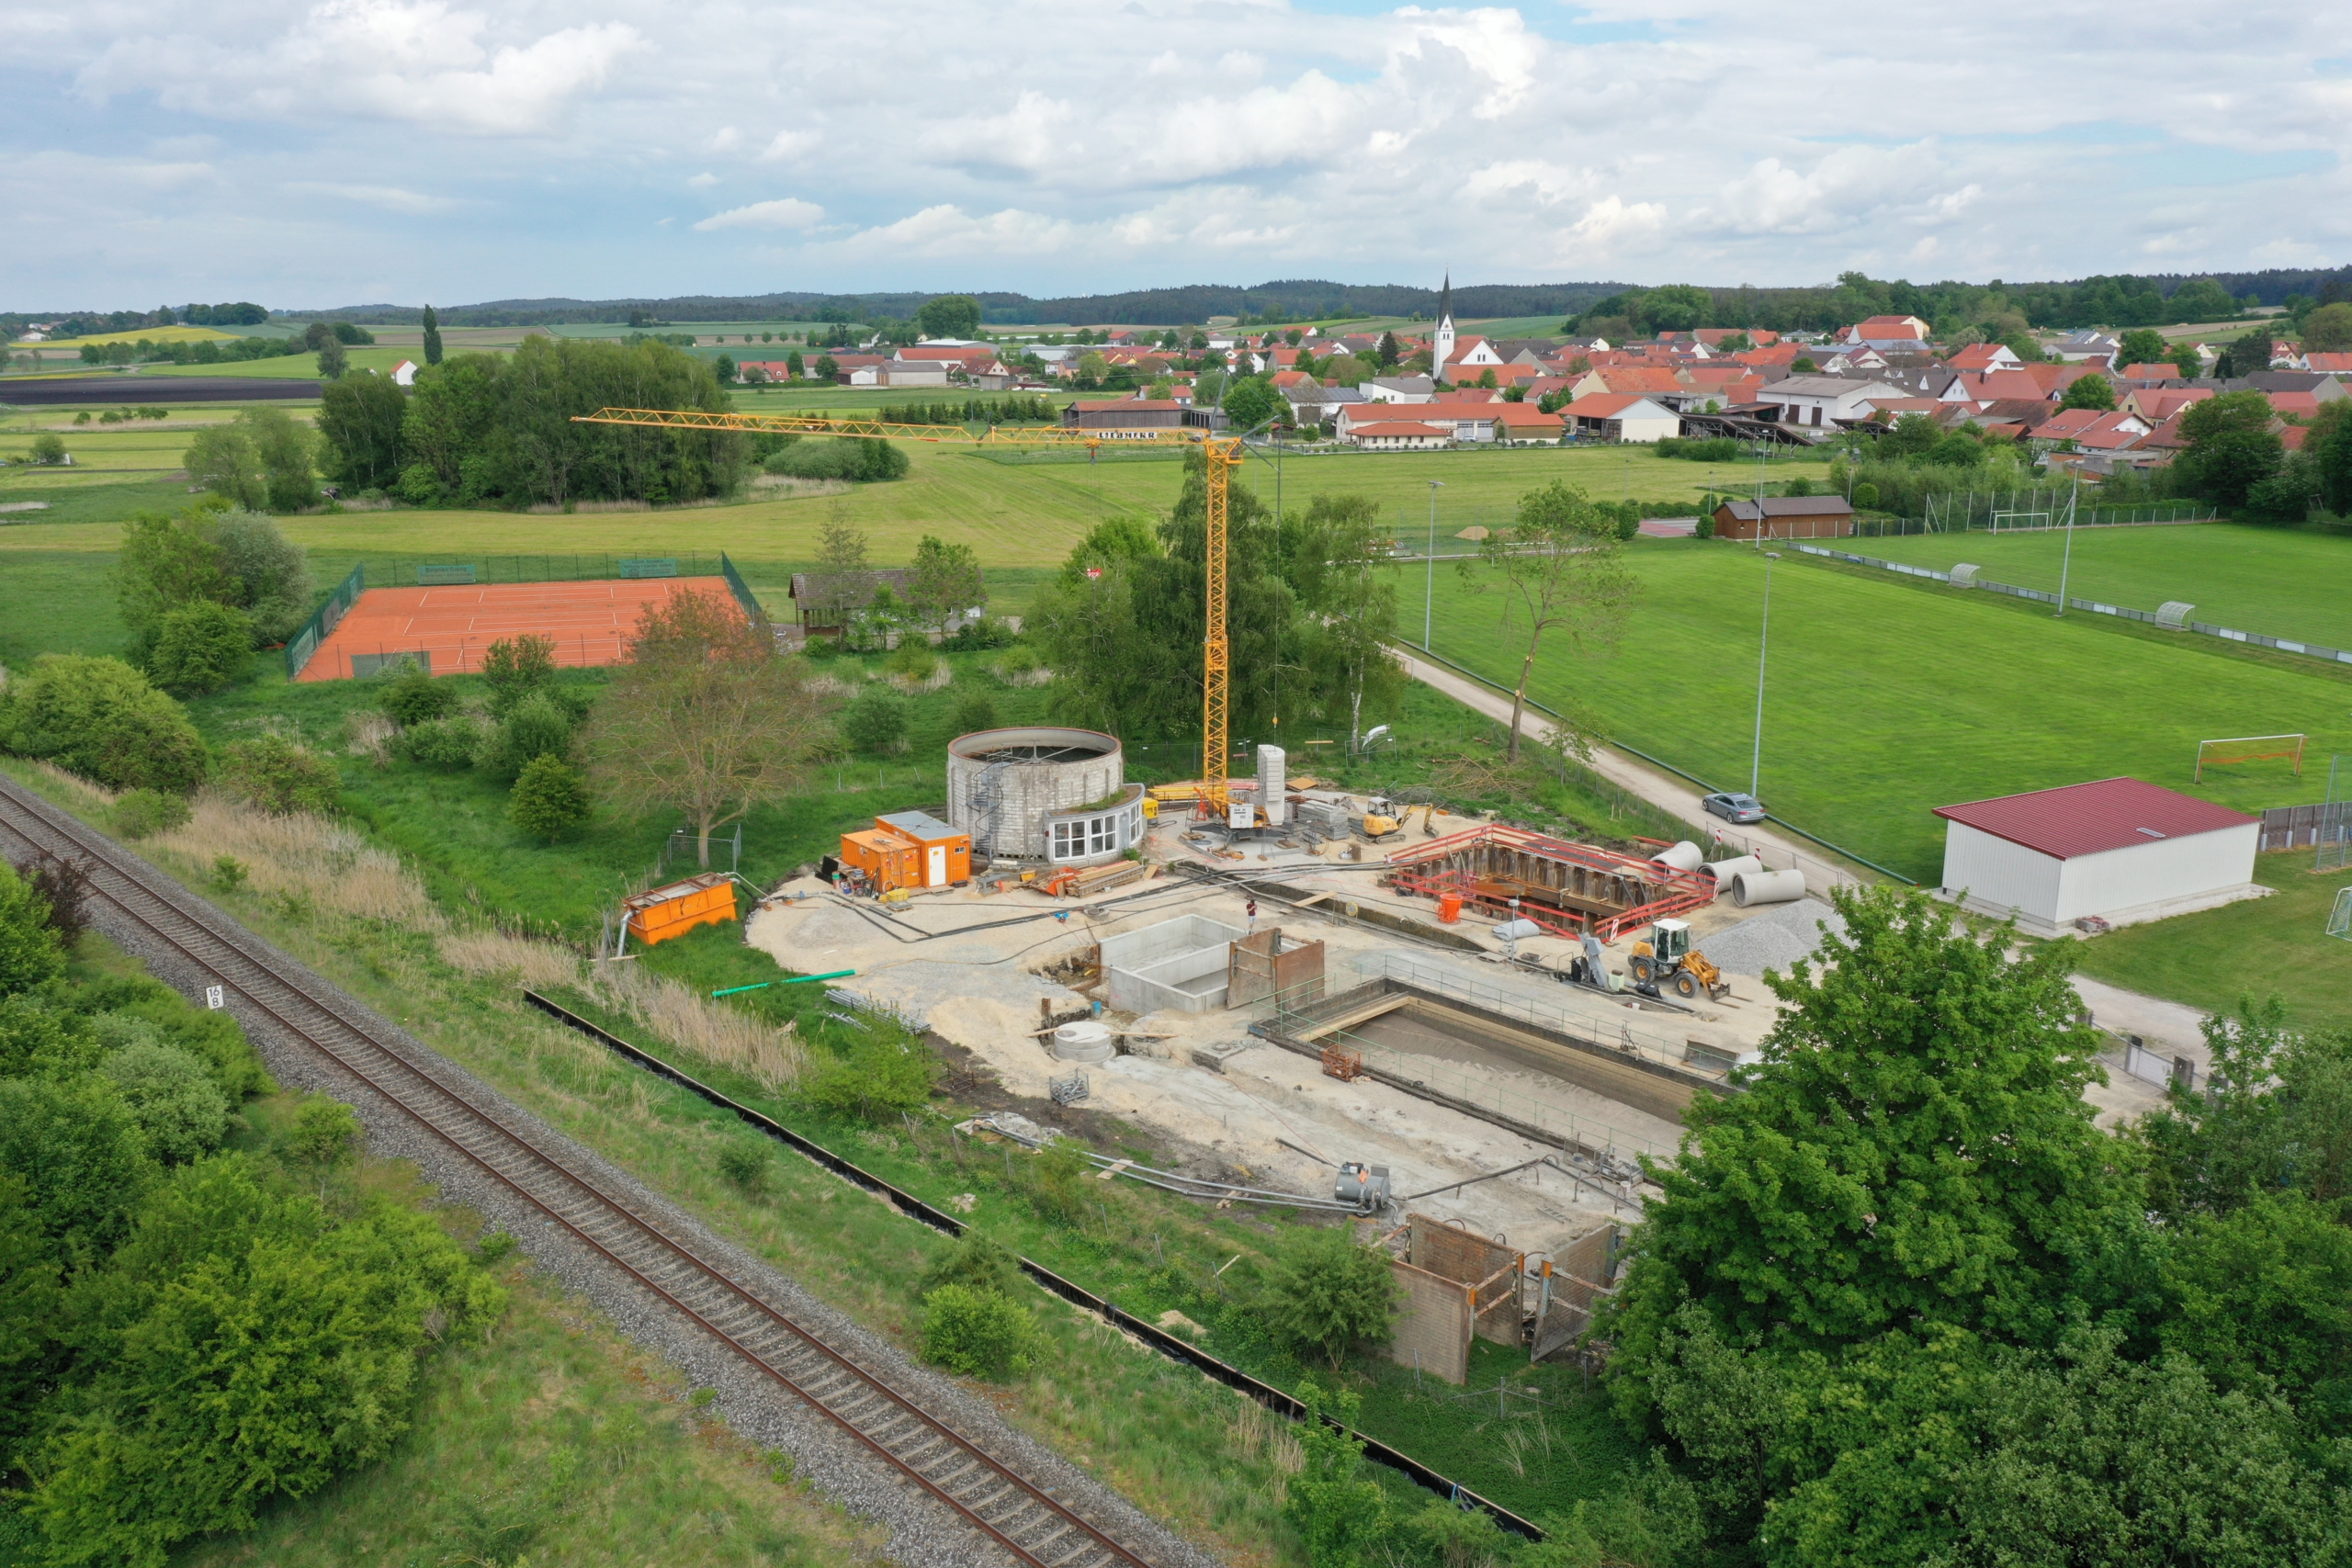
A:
x,y
482,429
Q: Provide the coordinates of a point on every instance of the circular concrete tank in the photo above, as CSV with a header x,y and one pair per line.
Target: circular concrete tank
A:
x,y
1084,1041
1043,793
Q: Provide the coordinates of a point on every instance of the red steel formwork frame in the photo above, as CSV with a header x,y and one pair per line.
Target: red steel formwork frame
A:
x,y
1650,890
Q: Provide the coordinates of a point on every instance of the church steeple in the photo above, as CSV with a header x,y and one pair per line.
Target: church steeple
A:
x,y
1441,346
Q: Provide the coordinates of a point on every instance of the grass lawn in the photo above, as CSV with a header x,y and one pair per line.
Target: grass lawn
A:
x,y
554,1437
2276,946
1887,698
55,601
2279,582
108,498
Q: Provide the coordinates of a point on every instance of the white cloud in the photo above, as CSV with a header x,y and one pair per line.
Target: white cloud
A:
x,y
1090,147
785,213
390,199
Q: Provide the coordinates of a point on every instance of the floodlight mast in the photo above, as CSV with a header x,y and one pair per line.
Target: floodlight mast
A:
x,y
1222,454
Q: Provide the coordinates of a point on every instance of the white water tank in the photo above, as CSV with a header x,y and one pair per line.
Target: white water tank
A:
x,y
1684,857
1767,887
1085,1041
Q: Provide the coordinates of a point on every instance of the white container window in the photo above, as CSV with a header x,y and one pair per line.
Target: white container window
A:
x,y
1102,835
1064,832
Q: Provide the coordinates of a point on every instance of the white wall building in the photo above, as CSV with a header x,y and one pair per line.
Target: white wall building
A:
x,y
2120,850
1821,401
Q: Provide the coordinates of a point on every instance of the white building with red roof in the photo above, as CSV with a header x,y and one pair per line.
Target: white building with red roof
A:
x,y
2120,851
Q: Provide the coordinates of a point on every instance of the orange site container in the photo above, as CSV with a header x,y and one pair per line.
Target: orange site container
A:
x,y
909,848
661,913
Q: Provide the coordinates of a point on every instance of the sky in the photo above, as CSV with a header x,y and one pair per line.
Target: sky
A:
x,y
312,155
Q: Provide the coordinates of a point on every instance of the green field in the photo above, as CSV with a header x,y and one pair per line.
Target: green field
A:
x,y
2276,946
2278,581
1886,697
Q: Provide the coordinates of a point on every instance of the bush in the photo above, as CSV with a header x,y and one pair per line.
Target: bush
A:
x,y
877,720
48,449
103,720
746,1166
981,1333
1866,497
977,1263
1706,529
979,635
414,696
515,669
201,648
442,742
913,660
271,774
1325,1295
270,573
850,458
171,1096
974,710
537,727
29,950
550,798
875,1080
143,813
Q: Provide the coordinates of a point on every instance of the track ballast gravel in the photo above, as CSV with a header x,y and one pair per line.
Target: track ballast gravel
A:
x,y
923,1532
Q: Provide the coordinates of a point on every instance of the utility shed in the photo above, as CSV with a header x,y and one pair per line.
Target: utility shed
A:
x,y
2120,851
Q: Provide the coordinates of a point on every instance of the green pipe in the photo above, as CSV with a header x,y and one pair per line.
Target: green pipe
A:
x,y
796,980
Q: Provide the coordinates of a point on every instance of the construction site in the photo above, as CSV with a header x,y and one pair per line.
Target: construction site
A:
x,y
1464,1035
1478,1025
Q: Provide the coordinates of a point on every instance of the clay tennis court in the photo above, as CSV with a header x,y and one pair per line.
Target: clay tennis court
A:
x,y
454,627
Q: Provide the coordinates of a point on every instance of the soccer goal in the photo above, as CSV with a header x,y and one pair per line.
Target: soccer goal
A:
x,y
2250,748
2340,923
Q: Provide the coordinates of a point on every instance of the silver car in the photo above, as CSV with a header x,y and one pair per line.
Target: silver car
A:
x,y
1734,805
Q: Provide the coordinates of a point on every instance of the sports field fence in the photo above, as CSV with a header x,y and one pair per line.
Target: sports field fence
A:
x,y
2038,509
2173,616
324,620
462,569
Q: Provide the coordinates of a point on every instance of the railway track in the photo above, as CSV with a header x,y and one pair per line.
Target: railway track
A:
x,y
987,1493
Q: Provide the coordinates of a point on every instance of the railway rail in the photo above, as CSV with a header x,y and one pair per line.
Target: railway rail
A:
x,y
990,1494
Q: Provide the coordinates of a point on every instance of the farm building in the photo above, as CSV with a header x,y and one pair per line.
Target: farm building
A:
x,y
2119,851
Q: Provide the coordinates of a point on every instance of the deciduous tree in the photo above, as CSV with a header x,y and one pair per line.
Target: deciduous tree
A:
x,y
706,718
1559,570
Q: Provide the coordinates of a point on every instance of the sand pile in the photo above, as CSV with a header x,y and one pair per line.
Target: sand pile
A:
x,y
1774,939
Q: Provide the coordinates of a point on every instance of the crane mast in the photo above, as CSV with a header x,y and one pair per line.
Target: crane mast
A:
x,y
1221,456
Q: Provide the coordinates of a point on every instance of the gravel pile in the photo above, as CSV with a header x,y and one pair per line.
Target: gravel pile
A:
x,y
923,1532
1774,939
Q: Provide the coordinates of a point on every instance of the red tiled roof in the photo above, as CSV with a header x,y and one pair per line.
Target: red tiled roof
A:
x,y
1526,414
2305,403
2330,364
2089,818
1604,405
1398,427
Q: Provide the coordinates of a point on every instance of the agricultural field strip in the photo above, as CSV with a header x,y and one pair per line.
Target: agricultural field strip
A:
x,y
989,1494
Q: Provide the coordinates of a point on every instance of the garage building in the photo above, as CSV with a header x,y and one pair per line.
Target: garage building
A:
x,y
2121,850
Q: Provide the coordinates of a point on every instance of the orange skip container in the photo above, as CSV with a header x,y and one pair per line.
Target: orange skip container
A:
x,y
1449,909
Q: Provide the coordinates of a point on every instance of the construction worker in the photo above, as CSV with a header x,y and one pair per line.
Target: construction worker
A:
x,y
1253,910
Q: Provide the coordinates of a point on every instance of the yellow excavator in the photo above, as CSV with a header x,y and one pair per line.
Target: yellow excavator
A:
x,y
1665,960
1386,819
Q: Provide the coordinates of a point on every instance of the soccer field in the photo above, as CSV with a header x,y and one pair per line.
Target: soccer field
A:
x,y
2279,581
1885,699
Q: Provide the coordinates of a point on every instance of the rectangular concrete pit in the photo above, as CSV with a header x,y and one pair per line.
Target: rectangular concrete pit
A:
x,y
1177,966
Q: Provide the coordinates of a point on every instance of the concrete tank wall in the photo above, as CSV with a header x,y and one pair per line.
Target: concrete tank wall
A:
x,y
1047,768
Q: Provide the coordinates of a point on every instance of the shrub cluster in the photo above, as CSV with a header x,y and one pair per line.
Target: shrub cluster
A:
x,y
192,1332
101,718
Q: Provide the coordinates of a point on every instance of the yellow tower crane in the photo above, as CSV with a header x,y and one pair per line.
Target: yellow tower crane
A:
x,y
1221,454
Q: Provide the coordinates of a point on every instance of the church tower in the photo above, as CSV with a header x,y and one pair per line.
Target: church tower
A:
x,y
1443,349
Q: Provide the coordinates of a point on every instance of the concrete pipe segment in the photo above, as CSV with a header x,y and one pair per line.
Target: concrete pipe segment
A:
x,y
1726,871
1767,887
1684,857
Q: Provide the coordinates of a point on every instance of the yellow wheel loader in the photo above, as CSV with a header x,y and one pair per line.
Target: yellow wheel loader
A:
x,y
1666,961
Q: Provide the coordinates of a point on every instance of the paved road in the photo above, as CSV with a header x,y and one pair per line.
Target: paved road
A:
x,y
1778,851
2168,1025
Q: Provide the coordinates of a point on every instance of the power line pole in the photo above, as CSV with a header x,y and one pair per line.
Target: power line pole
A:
x,y
1763,645
1429,589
